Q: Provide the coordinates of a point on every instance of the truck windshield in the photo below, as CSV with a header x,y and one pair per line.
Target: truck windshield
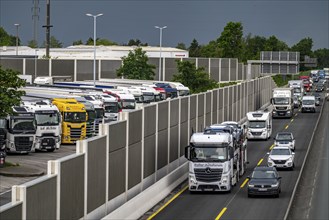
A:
x,y
77,117
3,123
128,103
281,101
111,107
297,90
257,124
149,97
47,119
209,154
99,112
23,124
308,102
91,115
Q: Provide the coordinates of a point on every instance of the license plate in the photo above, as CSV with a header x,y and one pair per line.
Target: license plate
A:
x,y
44,144
262,189
279,165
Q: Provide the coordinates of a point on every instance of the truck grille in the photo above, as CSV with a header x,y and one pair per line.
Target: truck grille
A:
x,y
208,174
279,161
23,143
47,142
96,127
90,130
281,108
75,133
256,133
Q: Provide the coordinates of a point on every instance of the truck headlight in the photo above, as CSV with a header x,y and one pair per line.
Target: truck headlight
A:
x,y
30,138
275,185
225,179
192,180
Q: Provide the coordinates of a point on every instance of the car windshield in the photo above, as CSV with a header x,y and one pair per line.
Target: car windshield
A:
x,y
89,98
77,117
257,124
280,152
47,118
128,104
23,124
308,102
111,108
209,154
263,174
283,137
280,101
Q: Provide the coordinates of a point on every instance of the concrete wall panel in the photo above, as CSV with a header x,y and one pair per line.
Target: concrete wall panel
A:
x,y
96,173
204,63
214,106
184,109
85,69
173,144
162,148
170,65
193,106
117,173
149,120
163,115
14,64
234,70
135,124
62,68
201,104
183,137
134,164
174,112
40,200
225,69
109,67
42,67
14,212
117,135
149,155
214,69
72,188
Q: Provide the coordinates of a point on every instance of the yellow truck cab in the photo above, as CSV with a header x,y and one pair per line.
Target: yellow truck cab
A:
x,y
74,119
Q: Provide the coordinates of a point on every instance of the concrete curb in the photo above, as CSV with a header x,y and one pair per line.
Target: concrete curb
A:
x,y
21,171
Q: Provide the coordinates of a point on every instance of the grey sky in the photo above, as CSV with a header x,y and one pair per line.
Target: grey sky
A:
x,y
289,20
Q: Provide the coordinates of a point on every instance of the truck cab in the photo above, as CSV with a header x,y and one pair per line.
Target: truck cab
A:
x,y
215,163
259,125
283,103
3,134
48,120
308,104
21,131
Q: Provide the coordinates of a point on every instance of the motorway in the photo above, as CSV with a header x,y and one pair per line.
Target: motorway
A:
x,y
236,205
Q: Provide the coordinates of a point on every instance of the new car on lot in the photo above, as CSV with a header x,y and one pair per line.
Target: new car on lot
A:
x,y
285,139
281,157
264,181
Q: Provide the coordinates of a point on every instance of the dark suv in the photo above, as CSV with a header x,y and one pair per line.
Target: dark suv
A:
x,y
264,181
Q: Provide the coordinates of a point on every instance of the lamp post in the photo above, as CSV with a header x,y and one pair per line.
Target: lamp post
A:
x,y
35,63
94,71
160,59
17,25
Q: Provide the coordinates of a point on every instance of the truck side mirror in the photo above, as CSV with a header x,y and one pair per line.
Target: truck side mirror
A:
x,y
187,152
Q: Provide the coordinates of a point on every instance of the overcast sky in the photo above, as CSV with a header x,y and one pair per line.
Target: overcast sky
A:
x,y
288,20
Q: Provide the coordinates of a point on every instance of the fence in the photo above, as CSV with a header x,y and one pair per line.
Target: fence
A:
x,y
219,69
130,155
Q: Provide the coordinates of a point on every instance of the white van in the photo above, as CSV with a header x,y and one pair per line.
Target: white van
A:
x,y
259,125
308,104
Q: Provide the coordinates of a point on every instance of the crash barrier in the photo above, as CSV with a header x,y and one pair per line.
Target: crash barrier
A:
x,y
219,69
129,156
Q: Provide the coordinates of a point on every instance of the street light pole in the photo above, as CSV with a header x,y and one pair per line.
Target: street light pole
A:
x,y
17,25
160,59
94,70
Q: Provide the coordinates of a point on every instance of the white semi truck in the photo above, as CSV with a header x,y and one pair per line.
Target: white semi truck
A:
x,y
21,131
49,127
298,88
215,163
282,102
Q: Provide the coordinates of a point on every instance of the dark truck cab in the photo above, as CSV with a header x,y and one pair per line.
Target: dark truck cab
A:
x,y
3,134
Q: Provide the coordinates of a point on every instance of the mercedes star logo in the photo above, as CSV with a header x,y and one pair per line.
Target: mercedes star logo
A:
x,y
208,170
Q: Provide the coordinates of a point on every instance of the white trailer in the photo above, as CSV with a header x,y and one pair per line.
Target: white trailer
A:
x,y
49,127
215,163
259,125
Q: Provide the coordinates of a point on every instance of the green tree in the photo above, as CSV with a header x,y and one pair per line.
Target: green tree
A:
x,y
133,42
274,44
54,43
9,95
231,40
135,66
100,41
194,49
77,42
6,39
181,46
32,44
252,46
195,78
210,50
304,46
323,57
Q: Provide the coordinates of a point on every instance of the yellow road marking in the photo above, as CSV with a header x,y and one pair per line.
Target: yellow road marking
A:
x,y
260,161
244,183
287,127
167,203
292,120
296,114
221,213
271,146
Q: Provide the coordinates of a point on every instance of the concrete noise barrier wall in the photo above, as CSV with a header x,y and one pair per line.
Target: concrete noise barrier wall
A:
x,y
132,156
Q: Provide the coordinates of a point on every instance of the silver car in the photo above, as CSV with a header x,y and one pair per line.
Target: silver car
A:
x,y
285,139
281,157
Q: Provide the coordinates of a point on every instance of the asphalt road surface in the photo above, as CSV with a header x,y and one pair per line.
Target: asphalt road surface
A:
x,y
236,205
